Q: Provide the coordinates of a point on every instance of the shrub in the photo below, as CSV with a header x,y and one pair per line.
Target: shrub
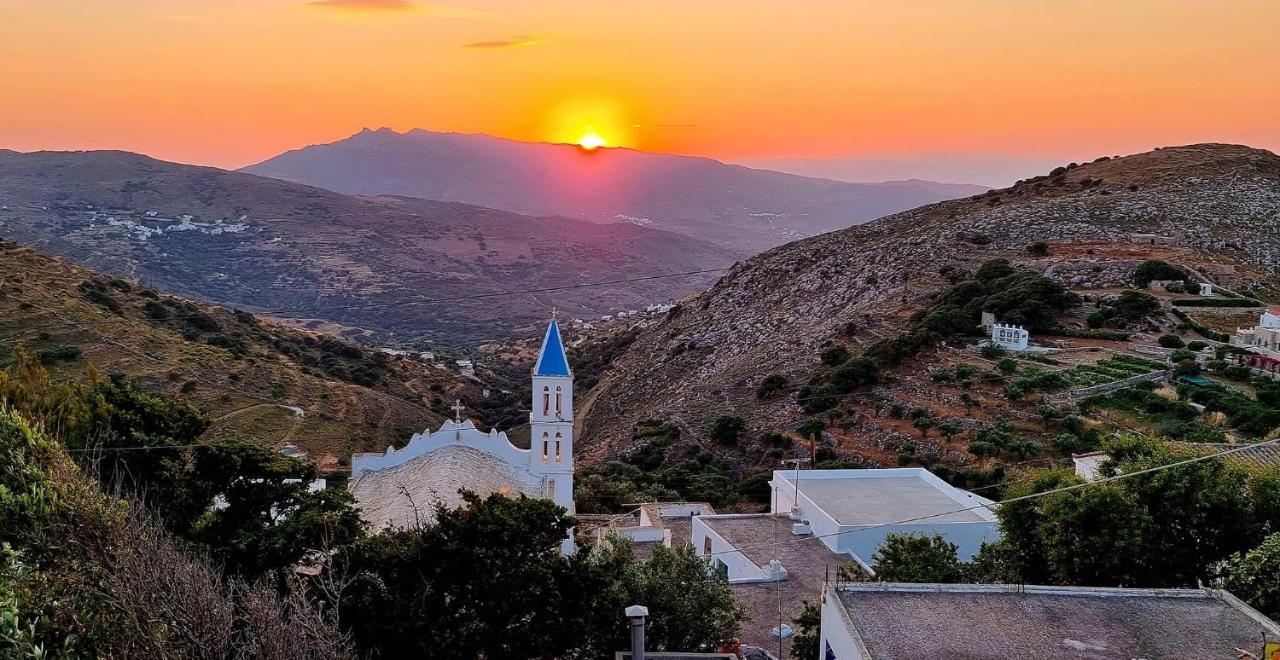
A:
x,y
1007,365
1038,248
992,351
726,429
1170,341
1156,270
1197,345
60,354
835,355
771,385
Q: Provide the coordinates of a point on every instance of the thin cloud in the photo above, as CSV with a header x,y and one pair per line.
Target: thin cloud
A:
x,y
514,42
371,5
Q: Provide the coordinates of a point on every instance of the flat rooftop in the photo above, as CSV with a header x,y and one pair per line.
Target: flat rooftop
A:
x,y
1001,621
877,500
809,564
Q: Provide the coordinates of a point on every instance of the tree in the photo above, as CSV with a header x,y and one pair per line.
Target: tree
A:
x,y
488,580
692,609
1255,577
923,423
949,429
726,429
916,557
484,580
269,518
808,627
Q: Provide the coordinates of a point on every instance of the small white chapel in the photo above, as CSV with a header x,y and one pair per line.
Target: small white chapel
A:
x,y
401,487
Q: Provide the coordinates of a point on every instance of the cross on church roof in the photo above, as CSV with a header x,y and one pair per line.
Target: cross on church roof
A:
x,y
555,312
457,410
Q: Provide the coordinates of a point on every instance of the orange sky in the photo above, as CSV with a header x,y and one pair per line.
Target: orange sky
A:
x,y
230,82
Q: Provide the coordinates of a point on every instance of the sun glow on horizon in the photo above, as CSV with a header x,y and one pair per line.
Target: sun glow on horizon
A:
x,y
591,140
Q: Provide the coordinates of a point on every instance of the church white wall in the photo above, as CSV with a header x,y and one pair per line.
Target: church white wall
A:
x,y
450,433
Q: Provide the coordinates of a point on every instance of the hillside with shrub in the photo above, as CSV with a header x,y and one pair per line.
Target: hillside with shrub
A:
x,y
861,346
253,377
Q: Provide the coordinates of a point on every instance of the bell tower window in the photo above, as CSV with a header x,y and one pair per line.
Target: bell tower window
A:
x,y
546,401
559,456
545,448
559,395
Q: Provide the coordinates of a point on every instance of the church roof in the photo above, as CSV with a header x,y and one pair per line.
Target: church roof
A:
x,y
551,359
406,495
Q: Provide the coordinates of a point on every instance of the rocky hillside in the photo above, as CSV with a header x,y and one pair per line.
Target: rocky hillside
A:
x,y
254,377
374,263
743,209
1213,208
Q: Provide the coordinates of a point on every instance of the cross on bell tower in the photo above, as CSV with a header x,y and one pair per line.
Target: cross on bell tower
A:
x,y
457,410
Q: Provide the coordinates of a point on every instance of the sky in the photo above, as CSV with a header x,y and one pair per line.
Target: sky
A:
x,y
969,90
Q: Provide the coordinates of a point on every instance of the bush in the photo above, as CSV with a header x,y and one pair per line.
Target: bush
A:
x,y
992,351
1039,248
1156,270
771,385
1197,345
726,429
1128,307
60,354
835,355
1170,341
1007,365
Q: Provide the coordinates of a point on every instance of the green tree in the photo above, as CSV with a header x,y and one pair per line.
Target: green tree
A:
x,y
808,627
916,557
267,519
1255,577
726,429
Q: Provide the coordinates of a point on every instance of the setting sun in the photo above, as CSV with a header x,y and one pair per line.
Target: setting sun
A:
x,y
591,140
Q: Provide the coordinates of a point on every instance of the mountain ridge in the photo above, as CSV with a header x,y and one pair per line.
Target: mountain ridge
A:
x,y
743,208
266,244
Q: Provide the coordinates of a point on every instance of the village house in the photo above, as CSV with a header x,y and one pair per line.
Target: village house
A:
x,y
1263,340
401,487
861,621
822,521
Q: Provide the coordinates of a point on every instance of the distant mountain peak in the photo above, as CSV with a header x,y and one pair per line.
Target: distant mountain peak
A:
x,y
743,209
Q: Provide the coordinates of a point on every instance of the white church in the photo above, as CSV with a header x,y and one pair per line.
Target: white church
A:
x,y
401,487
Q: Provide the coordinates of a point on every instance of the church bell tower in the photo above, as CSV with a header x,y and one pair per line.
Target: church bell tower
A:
x,y
551,419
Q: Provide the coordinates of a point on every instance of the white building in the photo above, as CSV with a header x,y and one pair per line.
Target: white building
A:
x,y
847,514
1206,289
1263,338
1010,337
401,487
861,621
467,368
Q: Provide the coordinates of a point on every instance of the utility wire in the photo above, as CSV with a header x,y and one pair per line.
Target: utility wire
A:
x,y
1021,498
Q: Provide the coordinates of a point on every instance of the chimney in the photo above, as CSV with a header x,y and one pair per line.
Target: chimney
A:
x,y
637,614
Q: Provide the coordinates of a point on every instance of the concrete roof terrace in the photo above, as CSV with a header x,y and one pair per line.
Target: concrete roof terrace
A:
x,y
1008,621
863,501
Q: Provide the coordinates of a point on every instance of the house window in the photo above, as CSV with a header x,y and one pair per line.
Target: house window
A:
x,y
706,545
545,444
